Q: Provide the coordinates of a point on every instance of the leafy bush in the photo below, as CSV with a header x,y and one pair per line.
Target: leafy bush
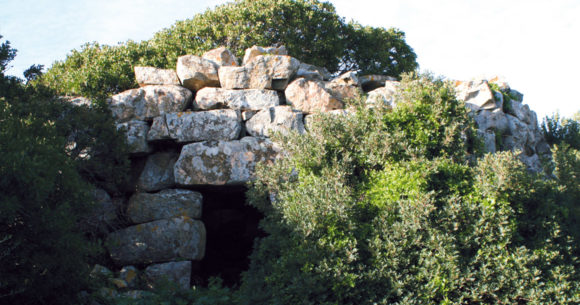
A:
x,y
43,255
44,191
380,207
557,131
98,71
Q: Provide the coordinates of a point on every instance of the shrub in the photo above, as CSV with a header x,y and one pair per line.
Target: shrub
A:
x,y
43,257
44,191
557,131
380,207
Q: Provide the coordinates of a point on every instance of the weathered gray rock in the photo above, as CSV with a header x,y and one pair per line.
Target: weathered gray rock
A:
x,y
271,71
136,133
532,162
345,87
196,72
158,130
155,76
521,136
100,271
251,99
384,95
234,77
494,120
221,56
158,172
146,207
130,275
263,72
255,51
223,162
275,119
312,72
310,96
220,124
148,102
520,111
175,272
158,241
103,214
516,95
489,140
476,94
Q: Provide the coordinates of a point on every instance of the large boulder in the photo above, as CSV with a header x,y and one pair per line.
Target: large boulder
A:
x,y
234,77
476,94
148,102
221,56
220,124
520,111
102,216
275,119
173,272
255,51
271,71
196,72
345,87
158,241
158,172
146,207
310,96
251,99
154,76
136,134
222,162
384,95
495,121
312,72
262,72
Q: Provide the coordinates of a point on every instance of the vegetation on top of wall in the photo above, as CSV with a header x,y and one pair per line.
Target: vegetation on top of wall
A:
x,y
101,70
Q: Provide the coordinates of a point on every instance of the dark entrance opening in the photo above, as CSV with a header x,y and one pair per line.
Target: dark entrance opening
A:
x,y
231,227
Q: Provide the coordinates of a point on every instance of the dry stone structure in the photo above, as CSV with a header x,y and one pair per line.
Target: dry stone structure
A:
x,y
206,125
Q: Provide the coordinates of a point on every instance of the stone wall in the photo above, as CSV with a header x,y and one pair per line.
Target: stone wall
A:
x,y
205,125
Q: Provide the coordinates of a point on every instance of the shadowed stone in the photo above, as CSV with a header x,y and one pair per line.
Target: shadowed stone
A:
x,y
158,241
145,207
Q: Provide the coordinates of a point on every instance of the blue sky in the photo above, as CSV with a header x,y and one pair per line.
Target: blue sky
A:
x,y
534,45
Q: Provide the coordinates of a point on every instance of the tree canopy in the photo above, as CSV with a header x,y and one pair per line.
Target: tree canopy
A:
x,y
311,31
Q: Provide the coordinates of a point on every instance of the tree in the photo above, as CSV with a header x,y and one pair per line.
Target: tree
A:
x,y
311,31
44,257
33,72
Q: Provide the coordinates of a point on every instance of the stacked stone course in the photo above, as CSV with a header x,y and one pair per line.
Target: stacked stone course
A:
x,y
220,114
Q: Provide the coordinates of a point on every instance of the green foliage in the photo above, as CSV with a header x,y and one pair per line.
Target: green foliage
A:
x,y
169,294
42,252
373,50
559,131
99,70
379,207
44,257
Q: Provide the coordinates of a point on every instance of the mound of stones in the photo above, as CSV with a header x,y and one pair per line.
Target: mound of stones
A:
x,y
216,117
